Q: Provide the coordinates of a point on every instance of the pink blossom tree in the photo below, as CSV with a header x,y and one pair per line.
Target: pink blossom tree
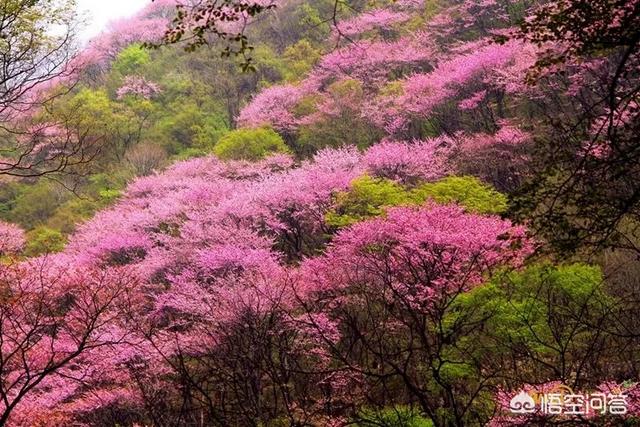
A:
x,y
52,316
409,162
380,19
12,239
386,285
139,86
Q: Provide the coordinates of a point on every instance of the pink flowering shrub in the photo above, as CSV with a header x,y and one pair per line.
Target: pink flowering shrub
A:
x,y
11,239
409,162
139,86
382,19
272,107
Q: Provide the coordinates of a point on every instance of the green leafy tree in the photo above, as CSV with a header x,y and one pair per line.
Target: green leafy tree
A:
x,y
368,197
299,59
36,204
131,59
189,125
43,240
70,214
249,144
115,125
467,191
540,323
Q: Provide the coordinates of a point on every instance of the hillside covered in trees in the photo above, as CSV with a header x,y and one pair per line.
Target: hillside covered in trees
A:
x,y
321,213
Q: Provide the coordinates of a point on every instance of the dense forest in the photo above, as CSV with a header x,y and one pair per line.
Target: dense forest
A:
x,y
321,213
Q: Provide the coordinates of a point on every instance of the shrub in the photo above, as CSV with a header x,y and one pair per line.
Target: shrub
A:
x,y
467,191
367,198
42,240
131,59
249,144
542,314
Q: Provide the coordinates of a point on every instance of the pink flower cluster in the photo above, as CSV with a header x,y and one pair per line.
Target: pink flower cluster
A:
x,y
416,160
382,19
507,135
372,61
12,238
139,86
273,106
423,92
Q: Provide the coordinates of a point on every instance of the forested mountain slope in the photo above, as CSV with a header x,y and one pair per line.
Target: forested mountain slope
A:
x,y
146,108
345,236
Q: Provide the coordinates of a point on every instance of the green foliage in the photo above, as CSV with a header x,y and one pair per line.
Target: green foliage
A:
x,y
189,153
105,188
249,144
349,89
42,240
87,108
392,89
131,59
299,59
307,105
8,194
467,191
117,125
268,62
544,311
308,21
70,214
367,197
190,125
398,416
35,204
